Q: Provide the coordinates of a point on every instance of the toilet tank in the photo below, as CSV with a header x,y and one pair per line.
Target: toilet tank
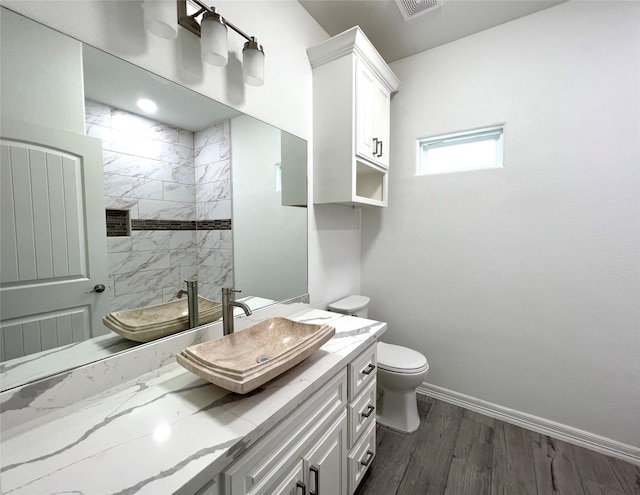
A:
x,y
351,305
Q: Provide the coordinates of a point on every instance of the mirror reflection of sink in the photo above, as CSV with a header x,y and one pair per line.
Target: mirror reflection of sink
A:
x,y
243,361
160,320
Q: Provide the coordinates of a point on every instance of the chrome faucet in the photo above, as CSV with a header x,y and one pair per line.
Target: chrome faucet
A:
x,y
228,302
192,301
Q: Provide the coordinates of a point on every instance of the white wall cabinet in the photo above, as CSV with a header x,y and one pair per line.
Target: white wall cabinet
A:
x,y
352,88
323,448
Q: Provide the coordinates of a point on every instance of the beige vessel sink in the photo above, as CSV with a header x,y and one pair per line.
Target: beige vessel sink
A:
x,y
160,320
243,361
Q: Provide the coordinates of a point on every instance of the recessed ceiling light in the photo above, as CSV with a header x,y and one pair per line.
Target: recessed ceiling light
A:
x,y
147,105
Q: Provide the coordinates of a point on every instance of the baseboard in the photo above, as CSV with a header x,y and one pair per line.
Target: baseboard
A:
x,y
559,431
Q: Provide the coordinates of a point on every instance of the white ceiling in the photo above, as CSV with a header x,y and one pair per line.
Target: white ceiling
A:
x,y
112,81
394,38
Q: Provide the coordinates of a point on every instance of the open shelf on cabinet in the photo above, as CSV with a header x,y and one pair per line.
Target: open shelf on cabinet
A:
x,y
370,184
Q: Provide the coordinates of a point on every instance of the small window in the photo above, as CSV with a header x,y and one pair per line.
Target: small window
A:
x,y
461,151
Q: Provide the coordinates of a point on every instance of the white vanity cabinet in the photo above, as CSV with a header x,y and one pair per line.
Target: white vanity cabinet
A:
x,y
361,373
323,448
352,88
306,453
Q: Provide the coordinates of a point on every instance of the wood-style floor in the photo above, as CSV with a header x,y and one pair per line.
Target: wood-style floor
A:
x,y
459,452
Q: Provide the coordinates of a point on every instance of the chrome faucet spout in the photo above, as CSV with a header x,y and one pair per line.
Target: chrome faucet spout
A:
x,y
228,302
247,309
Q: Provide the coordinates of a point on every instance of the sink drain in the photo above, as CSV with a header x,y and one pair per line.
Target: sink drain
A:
x,y
262,359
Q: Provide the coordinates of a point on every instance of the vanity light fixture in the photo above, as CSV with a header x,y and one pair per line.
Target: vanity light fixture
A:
x,y
212,29
160,18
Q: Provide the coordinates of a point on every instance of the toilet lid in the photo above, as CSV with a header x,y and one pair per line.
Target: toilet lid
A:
x,y
400,359
349,304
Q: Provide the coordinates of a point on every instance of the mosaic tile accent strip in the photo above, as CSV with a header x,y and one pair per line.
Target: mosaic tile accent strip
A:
x,y
117,223
213,224
181,224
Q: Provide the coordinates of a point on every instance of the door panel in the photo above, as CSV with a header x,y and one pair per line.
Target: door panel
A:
x,y
41,332
53,238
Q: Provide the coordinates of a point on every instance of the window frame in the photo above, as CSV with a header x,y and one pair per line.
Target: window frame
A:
x,y
488,133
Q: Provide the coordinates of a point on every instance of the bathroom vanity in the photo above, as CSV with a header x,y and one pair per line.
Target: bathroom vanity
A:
x,y
310,430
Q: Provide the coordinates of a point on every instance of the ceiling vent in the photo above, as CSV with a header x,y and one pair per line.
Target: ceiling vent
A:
x,y
410,9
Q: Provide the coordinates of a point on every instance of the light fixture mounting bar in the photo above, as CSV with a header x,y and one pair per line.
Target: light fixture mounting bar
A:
x,y
212,10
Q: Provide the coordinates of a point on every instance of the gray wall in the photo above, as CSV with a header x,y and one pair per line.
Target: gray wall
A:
x,y
521,285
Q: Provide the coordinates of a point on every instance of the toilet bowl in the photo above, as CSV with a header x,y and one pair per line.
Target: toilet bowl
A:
x,y
400,371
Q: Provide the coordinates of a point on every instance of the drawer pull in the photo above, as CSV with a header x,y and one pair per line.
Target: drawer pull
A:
x,y
370,409
368,369
368,460
316,471
302,486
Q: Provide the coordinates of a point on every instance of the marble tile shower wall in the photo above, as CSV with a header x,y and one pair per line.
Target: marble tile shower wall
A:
x,y
212,160
155,172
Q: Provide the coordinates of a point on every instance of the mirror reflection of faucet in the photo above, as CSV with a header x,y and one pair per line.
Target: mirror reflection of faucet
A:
x,y
228,302
192,301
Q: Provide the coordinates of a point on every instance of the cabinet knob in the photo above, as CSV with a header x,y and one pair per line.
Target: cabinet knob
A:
x,y
302,486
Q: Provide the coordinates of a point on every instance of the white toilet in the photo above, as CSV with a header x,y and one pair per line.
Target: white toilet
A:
x,y
400,372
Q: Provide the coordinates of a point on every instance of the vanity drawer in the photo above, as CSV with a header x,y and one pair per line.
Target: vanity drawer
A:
x,y
361,457
280,448
362,371
362,412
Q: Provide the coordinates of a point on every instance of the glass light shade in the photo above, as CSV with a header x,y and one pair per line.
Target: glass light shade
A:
x,y
161,18
253,64
213,40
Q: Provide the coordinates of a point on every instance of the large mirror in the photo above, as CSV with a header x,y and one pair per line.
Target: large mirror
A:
x,y
190,190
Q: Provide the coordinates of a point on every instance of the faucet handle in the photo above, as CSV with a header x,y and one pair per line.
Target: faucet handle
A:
x,y
230,290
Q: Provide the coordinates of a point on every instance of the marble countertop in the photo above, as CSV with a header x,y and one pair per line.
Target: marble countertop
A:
x,y
167,431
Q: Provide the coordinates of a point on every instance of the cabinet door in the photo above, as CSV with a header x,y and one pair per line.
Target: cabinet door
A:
x,y
326,462
291,484
372,123
365,108
382,124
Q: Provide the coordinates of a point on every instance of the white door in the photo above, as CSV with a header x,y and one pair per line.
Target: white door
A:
x,y
53,250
